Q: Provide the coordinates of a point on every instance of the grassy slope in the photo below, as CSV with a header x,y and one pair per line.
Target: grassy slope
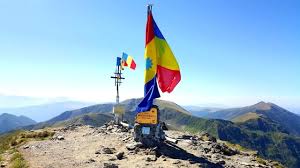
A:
x,y
11,141
271,145
94,119
245,117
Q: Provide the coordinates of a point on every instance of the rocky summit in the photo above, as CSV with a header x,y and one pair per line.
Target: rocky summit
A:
x,y
112,146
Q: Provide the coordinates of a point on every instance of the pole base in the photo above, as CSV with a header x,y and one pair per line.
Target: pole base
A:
x,y
148,134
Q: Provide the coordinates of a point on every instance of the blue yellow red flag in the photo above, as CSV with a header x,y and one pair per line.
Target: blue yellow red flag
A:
x,y
161,65
128,61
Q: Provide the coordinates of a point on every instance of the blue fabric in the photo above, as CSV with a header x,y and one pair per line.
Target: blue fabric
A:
x,y
124,56
151,92
118,61
157,31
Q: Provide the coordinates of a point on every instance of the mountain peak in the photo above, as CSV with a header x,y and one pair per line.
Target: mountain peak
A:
x,y
6,115
263,105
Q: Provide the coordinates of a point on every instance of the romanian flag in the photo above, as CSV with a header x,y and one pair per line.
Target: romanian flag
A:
x,y
127,60
161,65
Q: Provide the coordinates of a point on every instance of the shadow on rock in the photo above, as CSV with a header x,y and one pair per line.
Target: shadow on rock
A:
x,y
175,152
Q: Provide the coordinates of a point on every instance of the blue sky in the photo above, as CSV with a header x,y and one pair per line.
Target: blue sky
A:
x,y
230,52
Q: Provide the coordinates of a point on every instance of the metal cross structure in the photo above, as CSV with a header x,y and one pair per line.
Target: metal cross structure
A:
x,y
118,109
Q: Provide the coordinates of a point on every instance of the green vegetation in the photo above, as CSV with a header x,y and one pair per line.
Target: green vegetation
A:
x,y
270,145
7,139
10,142
94,119
264,136
261,161
1,159
240,148
245,117
17,161
18,137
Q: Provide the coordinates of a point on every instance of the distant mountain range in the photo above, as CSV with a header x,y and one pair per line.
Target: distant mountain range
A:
x,y
202,111
259,114
9,122
265,127
45,111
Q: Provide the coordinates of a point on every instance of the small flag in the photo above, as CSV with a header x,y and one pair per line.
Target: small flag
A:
x,y
128,61
118,61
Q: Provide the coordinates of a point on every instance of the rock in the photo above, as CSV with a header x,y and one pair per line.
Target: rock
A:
x,y
227,151
3,165
108,150
91,161
150,151
133,145
110,165
206,150
112,158
60,137
98,152
192,161
120,155
221,162
176,162
136,150
126,138
151,158
26,147
207,137
109,128
123,129
130,146
194,148
185,137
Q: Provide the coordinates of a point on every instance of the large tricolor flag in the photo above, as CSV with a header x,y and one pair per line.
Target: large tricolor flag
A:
x,y
161,65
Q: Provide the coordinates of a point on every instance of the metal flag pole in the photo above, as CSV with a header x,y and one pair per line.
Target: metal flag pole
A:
x,y
118,110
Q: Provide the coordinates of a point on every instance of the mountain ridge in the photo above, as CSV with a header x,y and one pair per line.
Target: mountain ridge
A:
x,y
10,122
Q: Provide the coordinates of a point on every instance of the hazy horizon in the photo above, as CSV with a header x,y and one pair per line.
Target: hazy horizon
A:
x,y
19,102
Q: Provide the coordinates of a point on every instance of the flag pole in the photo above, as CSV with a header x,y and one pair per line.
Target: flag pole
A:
x,y
118,80
149,6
